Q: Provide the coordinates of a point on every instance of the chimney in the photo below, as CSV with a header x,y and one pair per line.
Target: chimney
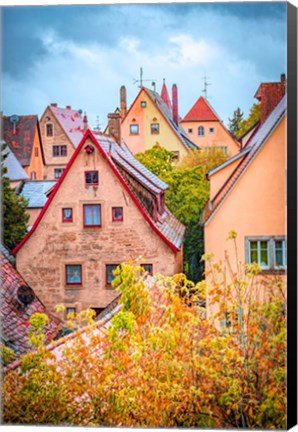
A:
x,y
53,104
270,94
123,108
175,103
85,122
114,126
68,107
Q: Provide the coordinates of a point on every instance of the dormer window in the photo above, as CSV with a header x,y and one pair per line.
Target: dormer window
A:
x,y
201,131
49,129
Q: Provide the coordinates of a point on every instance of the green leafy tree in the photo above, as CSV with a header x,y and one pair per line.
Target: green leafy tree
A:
x,y
157,159
235,121
14,213
186,196
252,120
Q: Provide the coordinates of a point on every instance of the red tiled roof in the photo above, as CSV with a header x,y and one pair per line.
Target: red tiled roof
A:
x,y
71,121
18,303
165,96
201,111
20,136
249,153
169,229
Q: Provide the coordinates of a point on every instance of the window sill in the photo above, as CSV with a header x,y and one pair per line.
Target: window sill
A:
x,y
273,271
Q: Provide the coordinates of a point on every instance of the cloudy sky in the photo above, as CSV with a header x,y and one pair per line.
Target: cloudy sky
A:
x,y
81,55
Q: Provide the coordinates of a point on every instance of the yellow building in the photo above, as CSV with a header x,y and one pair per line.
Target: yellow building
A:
x,y
151,119
205,128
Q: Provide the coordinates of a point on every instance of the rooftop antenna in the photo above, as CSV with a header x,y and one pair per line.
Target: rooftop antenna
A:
x,y
205,86
141,80
97,125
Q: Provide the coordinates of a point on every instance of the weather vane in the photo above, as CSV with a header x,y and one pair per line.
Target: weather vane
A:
x,y
141,80
205,85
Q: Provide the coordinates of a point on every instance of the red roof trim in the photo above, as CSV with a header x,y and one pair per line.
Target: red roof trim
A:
x,y
88,134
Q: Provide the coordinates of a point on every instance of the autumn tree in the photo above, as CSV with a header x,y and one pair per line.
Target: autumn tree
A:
x,y
160,362
14,213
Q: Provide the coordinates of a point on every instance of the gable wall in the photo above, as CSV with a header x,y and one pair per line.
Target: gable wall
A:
x,y
36,162
59,138
255,207
42,259
220,137
166,137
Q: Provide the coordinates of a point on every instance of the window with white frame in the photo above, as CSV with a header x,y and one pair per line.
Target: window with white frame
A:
x,y
269,252
201,131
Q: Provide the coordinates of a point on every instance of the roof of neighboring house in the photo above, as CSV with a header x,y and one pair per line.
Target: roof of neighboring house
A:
x,y
15,170
201,111
71,122
36,192
20,135
18,303
128,170
249,153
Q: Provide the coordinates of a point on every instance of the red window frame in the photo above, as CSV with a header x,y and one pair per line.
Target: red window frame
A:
x,y
107,272
85,206
114,217
67,275
94,178
64,219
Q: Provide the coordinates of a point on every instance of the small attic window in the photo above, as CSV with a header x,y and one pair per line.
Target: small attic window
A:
x,y
143,104
91,178
49,129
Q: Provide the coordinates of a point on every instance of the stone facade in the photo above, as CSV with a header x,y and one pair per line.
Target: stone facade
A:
x,y
55,133
43,257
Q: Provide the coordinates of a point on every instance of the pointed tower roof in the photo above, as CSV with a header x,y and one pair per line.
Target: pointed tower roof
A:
x,y
201,111
165,95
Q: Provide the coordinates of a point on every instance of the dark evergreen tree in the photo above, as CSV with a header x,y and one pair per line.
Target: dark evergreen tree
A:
x,y
235,121
14,216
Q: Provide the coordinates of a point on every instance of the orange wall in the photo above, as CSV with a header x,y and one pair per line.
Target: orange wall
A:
x,y
36,162
218,179
220,137
145,140
257,204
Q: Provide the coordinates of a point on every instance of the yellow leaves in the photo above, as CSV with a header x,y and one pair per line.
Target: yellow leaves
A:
x,y
232,235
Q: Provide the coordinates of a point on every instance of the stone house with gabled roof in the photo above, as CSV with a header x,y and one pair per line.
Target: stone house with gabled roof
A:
x,y
248,196
106,209
22,134
205,128
151,119
62,129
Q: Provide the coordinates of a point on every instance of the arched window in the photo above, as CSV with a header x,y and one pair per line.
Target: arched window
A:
x,y
201,131
33,175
